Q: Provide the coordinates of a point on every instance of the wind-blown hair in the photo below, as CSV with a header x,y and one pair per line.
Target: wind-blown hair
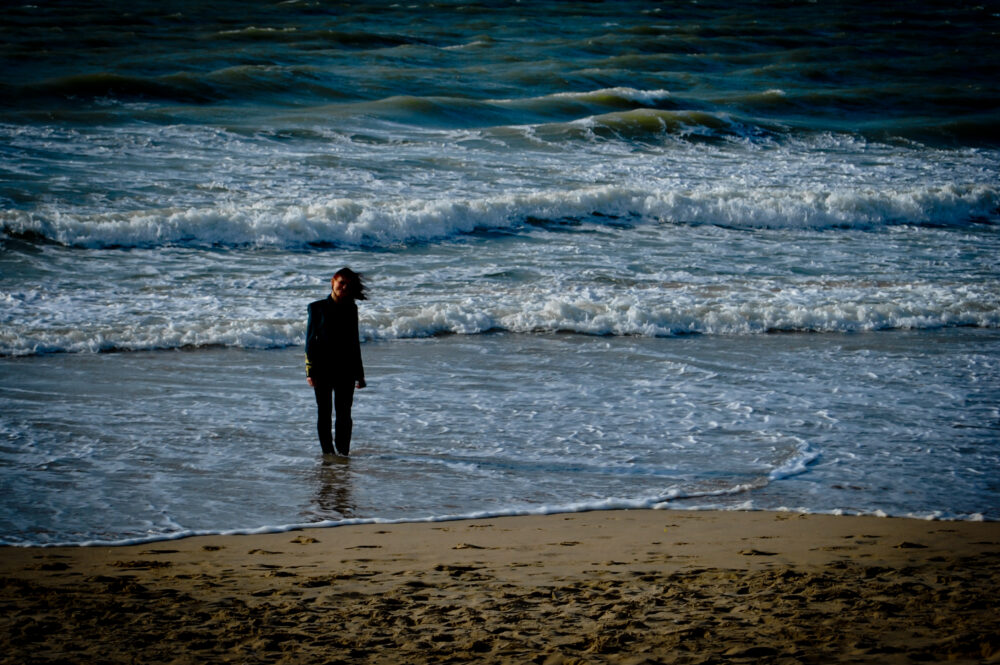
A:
x,y
356,288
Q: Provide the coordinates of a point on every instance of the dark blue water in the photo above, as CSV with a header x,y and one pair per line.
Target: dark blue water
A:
x,y
791,181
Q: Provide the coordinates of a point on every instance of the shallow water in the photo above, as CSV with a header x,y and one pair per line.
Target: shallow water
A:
x,y
129,446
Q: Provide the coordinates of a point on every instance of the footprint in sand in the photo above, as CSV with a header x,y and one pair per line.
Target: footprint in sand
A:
x,y
51,566
140,564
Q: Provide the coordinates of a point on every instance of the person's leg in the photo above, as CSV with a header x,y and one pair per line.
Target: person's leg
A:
x,y
342,401
324,414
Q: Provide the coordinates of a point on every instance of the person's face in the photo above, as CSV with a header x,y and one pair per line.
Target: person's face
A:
x,y
339,287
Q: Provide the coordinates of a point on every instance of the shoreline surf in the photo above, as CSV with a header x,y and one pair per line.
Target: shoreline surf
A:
x,y
730,423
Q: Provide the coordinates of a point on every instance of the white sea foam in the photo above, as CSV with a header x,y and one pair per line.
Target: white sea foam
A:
x,y
176,532
796,464
653,504
624,93
31,328
367,223
691,501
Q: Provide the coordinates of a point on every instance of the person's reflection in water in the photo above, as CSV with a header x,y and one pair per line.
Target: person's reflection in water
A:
x,y
333,494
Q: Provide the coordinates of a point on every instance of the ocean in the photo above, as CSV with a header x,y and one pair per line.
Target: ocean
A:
x,y
701,255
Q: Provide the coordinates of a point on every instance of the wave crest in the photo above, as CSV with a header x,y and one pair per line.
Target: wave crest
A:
x,y
386,223
121,321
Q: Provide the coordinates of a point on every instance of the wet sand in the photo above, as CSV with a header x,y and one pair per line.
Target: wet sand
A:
x,y
601,587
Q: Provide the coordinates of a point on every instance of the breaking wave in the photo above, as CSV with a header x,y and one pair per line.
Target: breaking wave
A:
x,y
375,223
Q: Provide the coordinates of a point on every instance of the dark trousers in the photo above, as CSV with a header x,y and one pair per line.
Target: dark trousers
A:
x,y
334,396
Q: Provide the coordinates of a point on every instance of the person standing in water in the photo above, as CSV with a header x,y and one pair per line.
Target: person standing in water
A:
x,y
333,359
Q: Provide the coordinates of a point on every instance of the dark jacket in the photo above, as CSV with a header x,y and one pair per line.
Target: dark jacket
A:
x,y
333,348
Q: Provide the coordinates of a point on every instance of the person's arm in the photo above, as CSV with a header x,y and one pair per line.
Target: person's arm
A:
x,y
309,330
360,372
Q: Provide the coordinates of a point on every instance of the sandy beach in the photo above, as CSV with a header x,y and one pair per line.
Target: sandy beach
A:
x,y
600,587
